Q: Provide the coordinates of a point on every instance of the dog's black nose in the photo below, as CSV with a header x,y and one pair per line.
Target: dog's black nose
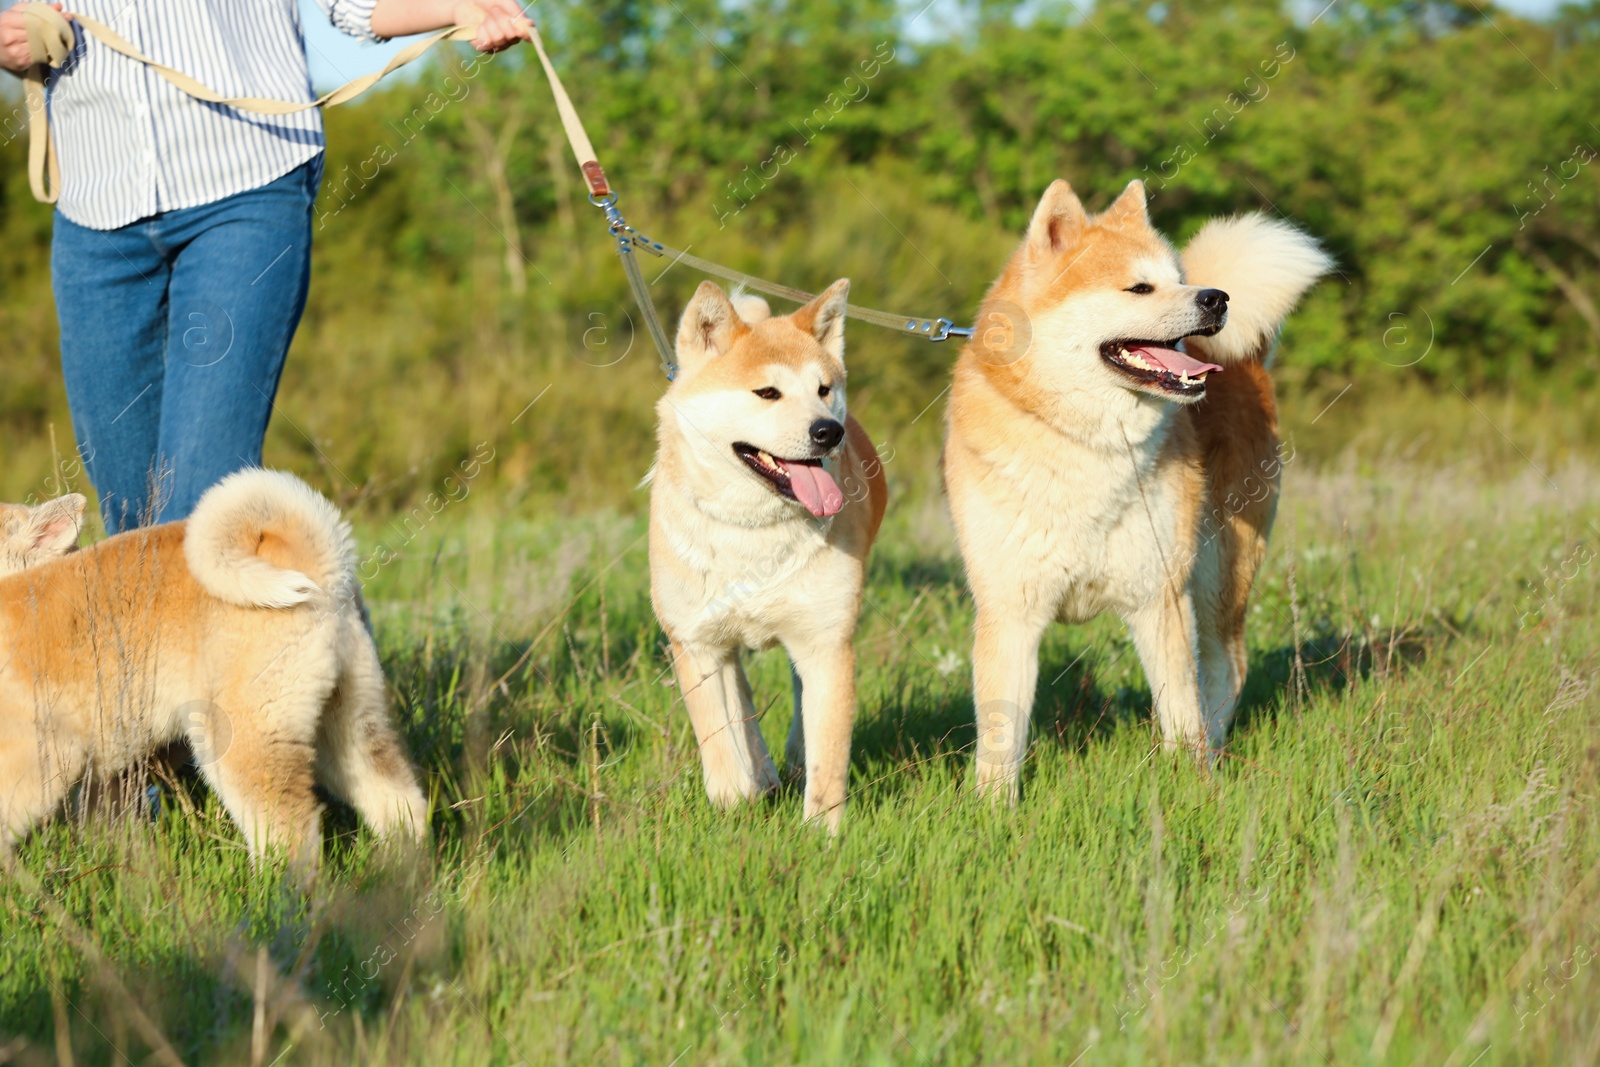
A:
x,y
1214,301
827,432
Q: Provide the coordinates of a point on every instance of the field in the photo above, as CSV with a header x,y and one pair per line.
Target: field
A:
x,y
1397,861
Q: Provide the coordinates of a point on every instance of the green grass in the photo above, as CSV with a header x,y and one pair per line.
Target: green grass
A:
x,y
1397,862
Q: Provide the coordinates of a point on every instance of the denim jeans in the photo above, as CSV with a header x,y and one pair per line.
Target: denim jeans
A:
x,y
174,331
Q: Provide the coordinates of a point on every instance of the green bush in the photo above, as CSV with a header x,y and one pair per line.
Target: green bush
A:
x,y
1440,152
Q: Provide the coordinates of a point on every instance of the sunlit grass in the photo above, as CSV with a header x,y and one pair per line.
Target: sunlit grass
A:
x,y
1395,862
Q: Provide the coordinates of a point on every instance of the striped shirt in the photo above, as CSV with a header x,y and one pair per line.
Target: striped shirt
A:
x,y
131,144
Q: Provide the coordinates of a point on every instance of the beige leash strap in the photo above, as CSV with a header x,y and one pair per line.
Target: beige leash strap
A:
x,y
629,240
51,40
576,137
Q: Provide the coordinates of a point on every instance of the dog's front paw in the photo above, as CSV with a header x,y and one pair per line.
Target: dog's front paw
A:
x,y
1000,785
826,812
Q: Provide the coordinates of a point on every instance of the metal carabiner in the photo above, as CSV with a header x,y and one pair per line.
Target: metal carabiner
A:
x,y
937,329
948,329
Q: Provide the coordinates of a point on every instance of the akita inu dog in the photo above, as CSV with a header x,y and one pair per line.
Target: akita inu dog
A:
x,y
1092,464
239,630
764,501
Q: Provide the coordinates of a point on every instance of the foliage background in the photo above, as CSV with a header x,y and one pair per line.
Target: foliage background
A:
x,y
1435,147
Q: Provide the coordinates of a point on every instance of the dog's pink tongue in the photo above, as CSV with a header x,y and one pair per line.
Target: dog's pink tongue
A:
x,y
1170,359
814,487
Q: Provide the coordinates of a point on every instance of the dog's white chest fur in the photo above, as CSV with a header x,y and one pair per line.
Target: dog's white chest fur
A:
x,y
1099,531
747,585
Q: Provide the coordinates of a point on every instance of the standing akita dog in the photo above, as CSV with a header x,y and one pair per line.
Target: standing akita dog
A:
x,y
1093,465
239,630
753,541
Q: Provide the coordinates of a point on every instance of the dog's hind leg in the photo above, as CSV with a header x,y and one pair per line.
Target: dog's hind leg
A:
x,y
752,746
794,751
1165,635
733,755
1244,465
1220,681
1225,570
1243,550
828,676
1221,675
34,778
1005,667
258,754
360,757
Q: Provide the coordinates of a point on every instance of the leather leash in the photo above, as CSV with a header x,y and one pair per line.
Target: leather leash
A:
x,y
51,40
630,241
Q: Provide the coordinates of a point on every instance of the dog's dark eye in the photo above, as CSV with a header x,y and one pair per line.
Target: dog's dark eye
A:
x,y
824,390
769,393
1141,288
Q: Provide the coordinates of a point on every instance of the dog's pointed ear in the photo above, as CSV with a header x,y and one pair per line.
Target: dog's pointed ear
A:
x,y
1130,207
823,318
709,327
1059,215
52,528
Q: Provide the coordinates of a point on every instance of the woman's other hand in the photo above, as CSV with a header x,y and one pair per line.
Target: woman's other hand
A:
x,y
501,23
14,54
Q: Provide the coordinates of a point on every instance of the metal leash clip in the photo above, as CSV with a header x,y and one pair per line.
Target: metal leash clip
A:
x,y
937,329
614,220
627,240
626,235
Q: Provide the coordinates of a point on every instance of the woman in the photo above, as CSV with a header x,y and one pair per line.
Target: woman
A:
x,y
182,244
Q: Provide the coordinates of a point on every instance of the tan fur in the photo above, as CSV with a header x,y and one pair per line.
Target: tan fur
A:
x,y
735,565
30,535
1076,489
110,653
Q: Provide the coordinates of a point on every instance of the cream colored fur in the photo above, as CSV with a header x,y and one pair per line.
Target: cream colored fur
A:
x,y
1265,265
30,535
751,308
241,632
221,550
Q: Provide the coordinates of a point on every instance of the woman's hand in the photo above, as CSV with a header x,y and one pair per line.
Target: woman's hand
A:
x,y
500,23
14,54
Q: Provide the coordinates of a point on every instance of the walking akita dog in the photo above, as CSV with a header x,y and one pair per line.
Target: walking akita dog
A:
x,y
239,630
1092,464
764,501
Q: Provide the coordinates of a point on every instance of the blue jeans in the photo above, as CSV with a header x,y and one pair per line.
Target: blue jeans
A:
x,y
174,331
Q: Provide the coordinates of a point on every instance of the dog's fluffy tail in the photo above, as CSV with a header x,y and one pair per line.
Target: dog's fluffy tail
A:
x,y
1264,266
265,539
751,308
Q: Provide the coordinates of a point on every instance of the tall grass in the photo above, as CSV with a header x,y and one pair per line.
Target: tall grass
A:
x,y
1397,861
